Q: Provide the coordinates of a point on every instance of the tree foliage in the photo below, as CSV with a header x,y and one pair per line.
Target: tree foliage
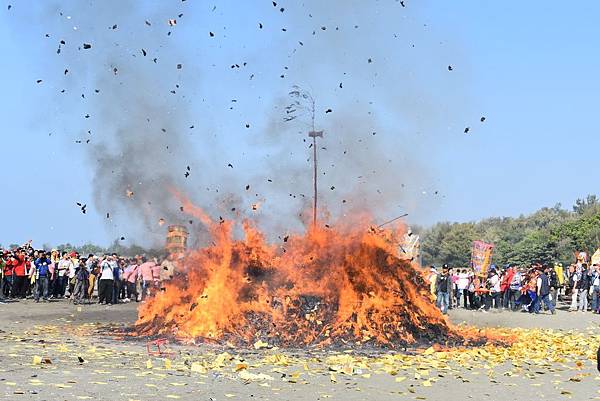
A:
x,y
547,235
115,247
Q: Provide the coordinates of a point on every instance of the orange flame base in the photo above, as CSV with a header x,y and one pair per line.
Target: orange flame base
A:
x,y
346,285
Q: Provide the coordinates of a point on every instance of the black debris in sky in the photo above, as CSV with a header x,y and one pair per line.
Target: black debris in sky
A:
x,y
82,207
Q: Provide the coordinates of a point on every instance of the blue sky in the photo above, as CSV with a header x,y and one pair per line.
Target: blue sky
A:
x,y
529,67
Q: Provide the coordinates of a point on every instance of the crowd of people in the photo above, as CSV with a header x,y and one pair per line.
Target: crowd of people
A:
x,y
106,279
532,289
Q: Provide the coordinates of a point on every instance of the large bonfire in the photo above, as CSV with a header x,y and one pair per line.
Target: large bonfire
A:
x,y
339,285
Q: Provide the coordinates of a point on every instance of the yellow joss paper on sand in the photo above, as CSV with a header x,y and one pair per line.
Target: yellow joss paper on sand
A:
x,y
198,368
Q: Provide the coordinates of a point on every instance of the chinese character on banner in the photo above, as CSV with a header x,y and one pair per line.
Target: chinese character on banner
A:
x,y
481,256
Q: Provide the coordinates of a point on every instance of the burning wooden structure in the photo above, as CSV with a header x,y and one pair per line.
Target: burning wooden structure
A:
x,y
328,286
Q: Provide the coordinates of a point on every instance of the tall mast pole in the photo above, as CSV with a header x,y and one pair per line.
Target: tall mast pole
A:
x,y
314,134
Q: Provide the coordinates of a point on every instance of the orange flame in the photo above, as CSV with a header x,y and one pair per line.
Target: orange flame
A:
x,y
326,286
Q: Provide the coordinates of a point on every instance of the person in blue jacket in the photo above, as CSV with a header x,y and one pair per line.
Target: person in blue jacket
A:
x,y
42,276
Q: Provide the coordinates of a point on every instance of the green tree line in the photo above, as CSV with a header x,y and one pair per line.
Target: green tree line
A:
x,y
547,235
115,247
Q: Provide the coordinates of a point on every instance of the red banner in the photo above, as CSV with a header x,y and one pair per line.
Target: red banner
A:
x,y
481,256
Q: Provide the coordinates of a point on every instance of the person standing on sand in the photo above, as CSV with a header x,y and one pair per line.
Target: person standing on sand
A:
x,y
82,279
583,288
145,271
493,283
573,280
595,288
42,276
62,275
543,291
515,289
105,284
129,277
505,285
463,284
443,284
92,268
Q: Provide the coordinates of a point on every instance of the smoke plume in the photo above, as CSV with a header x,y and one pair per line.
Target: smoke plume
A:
x,y
168,112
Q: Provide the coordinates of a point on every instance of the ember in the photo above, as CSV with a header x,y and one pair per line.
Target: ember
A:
x,y
336,286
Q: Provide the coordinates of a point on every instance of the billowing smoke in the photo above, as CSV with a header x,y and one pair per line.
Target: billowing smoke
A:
x,y
378,73
128,75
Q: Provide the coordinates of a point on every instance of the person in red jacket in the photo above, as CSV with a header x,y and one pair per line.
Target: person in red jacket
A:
x,y
19,281
505,285
8,279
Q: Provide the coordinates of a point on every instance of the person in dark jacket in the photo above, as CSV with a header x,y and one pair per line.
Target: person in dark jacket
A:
x,y
543,292
81,282
583,286
42,275
443,286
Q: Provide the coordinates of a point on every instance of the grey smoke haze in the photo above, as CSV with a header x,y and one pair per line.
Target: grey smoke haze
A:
x,y
137,127
382,127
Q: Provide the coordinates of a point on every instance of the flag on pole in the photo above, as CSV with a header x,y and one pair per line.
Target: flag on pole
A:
x,y
481,256
596,257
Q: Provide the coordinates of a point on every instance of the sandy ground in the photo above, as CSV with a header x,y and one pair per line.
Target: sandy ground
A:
x,y
40,347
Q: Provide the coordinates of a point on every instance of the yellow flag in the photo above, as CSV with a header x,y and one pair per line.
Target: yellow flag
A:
x,y
596,257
